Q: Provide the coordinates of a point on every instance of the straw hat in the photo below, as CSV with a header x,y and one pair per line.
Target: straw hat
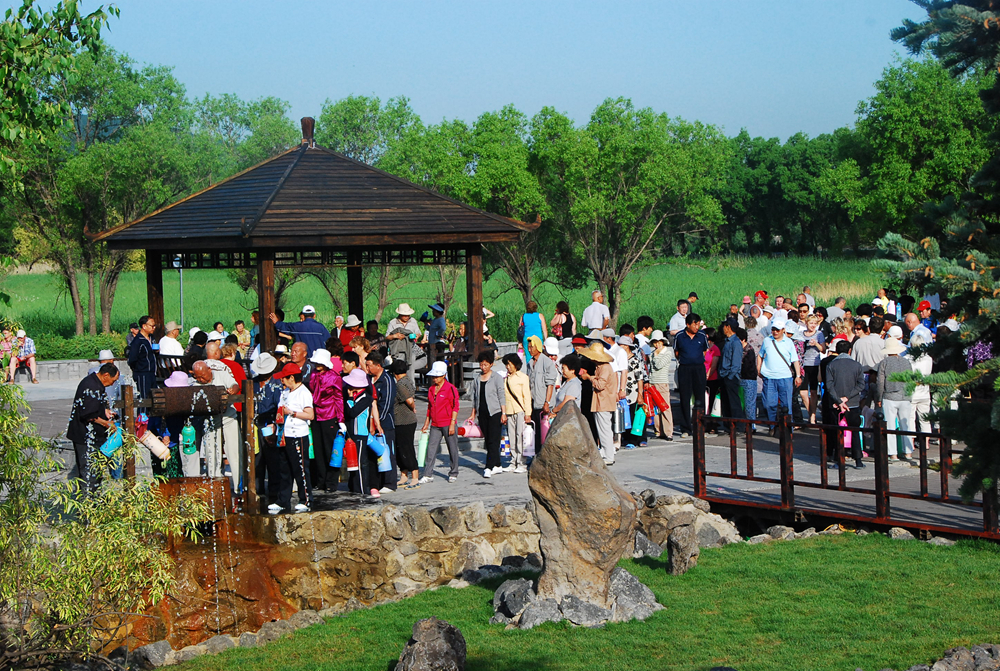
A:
x,y
595,334
627,341
595,352
264,364
439,369
171,326
352,321
356,378
404,309
177,379
322,357
893,346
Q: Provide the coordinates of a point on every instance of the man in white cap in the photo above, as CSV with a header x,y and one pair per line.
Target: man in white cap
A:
x,y
114,389
401,334
169,346
351,330
778,365
24,354
309,330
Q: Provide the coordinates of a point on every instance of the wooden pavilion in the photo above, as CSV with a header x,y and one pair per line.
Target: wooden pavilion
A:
x,y
310,206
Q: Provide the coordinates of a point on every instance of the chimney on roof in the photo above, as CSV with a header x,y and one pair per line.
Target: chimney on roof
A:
x,y
308,126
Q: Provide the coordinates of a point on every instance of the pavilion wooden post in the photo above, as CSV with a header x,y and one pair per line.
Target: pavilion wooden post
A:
x,y
154,290
355,292
265,300
128,412
474,297
249,440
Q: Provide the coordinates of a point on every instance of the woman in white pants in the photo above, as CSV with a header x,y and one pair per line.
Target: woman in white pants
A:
x,y
920,404
517,407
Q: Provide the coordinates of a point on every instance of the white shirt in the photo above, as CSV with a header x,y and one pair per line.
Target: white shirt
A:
x,y
810,301
643,344
620,362
594,316
296,401
677,322
170,347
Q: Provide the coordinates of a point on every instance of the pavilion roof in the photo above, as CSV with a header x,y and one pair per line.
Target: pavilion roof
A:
x,y
309,197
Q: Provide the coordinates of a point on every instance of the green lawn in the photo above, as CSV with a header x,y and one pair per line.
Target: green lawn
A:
x,y
834,603
39,304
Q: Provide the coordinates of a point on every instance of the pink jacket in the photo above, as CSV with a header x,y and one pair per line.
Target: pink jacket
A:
x,y
328,395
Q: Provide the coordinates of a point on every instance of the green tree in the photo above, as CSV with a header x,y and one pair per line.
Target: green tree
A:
x,y
365,130
964,261
626,177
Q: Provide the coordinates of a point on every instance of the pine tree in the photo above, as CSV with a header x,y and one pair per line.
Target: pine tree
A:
x,y
963,261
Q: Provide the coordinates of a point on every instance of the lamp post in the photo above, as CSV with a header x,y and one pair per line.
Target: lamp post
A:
x,y
180,274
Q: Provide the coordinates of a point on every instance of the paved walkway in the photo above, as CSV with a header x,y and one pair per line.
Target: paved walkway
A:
x,y
665,467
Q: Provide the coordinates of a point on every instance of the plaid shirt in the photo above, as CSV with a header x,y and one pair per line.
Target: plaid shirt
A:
x,y
27,349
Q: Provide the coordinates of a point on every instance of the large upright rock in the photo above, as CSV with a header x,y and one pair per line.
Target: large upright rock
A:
x,y
586,519
435,646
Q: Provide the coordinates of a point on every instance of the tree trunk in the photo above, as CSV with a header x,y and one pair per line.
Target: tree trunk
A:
x,y
108,286
68,271
92,301
449,278
330,281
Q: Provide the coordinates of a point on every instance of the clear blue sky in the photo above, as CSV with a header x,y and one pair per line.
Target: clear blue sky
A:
x,y
773,66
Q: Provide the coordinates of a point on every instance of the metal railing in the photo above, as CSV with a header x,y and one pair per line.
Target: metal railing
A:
x,y
876,436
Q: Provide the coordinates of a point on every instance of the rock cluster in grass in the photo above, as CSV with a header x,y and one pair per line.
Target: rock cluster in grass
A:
x,y
434,646
782,533
985,657
683,524
516,603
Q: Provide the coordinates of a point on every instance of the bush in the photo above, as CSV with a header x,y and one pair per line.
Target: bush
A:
x,y
51,347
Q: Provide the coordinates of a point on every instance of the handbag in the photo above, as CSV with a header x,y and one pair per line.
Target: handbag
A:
x,y
639,421
657,398
470,429
114,442
422,448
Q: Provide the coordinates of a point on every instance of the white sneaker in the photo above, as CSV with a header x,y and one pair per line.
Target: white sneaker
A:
x,y
508,469
497,469
301,508
274,509
520,469
452,478
386,490
424,480
488,473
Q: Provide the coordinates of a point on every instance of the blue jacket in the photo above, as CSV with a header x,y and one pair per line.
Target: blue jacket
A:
x,y
310,331
732,358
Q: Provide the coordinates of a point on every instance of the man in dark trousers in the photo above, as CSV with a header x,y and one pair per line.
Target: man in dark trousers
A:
x,y
309,330
729,370
385,398
845,383
690,346
89,421
142,358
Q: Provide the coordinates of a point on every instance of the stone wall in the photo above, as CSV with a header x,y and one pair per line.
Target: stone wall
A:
x,y
326,559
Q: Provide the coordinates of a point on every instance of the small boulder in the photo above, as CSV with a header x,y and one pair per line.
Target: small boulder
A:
x,y
217,644
900,534
759,538
434,646
582,613
956,659
632,599
808,533
513,596
648,498
681,518
152,656
533,561
272,631
305,618
545,610
682,550
248,640
514,561
645,547
938,540
781,533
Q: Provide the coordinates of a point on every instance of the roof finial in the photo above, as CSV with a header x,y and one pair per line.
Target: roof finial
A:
x,y
308,125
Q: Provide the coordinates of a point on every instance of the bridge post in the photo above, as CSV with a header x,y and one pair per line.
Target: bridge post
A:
x,y
786,462
990,506
880,446
698,443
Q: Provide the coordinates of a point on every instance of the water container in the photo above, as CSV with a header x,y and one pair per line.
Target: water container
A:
x,y
188,439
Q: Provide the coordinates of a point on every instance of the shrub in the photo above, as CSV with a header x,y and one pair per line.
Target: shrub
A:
x,y
51,347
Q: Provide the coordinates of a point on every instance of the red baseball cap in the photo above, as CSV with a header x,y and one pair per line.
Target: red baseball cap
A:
x,y
289,370
924,305
759,293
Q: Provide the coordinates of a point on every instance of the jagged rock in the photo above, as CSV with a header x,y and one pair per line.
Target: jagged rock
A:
x,y
919,667
715,531
395,522
406,548
648,497
152,656
406,586
956,659
645,547
582,613
632,599
498,516
435,646
682,550
186,654
305,618
513,596
476,519
500,618
938,540
420,522
217,644
448,519
545,610
272,631
248,640
900,534
514,561
759,538
861,532
586,519
808,533
681,518
781,533
458,583
533,560
984,658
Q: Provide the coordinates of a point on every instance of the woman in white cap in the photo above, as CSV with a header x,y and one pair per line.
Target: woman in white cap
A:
x,y
351,330
442,420
328,400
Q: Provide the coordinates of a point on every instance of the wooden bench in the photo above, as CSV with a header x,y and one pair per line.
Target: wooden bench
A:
x,y
165,365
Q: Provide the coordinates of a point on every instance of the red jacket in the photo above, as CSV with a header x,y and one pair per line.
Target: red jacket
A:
x,y
442,404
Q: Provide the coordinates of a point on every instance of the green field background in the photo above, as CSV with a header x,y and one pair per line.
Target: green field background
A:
x,y
41,306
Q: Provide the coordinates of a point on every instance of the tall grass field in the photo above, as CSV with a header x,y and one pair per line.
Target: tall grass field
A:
x,y
41,306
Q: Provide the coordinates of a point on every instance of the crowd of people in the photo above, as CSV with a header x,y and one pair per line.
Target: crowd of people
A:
x,y
834,364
